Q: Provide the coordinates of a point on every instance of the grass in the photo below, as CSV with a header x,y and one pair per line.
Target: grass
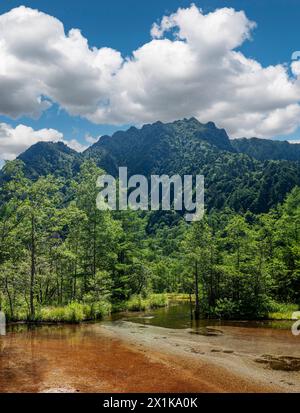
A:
x,y
180,297
71,313
78,312
74,312
282,311
138,303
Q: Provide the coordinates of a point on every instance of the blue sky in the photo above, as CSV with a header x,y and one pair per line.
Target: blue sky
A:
x,y
124,25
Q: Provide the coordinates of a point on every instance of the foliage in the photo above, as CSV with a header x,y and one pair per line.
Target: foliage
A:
x,y
139,303
61,259
74,312
282,311
233,178
264,149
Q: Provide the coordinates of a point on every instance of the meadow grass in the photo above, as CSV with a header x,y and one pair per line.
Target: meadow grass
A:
x,y
282,311
180,297
76,312
139,303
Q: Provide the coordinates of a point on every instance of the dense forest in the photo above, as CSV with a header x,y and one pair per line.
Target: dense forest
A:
x,y
263,149
57,250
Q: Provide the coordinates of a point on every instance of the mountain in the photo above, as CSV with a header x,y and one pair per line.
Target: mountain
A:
x,y
263,149
176,147
45,158
234,178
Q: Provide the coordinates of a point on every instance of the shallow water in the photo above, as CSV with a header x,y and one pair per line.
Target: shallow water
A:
x,y
178,316
62,358
77,358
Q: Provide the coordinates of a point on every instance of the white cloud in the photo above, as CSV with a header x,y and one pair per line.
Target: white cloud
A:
x,y
190,67
90,139
14,141
77,146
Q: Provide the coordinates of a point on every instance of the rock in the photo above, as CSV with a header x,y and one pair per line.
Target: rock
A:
x,y
283,363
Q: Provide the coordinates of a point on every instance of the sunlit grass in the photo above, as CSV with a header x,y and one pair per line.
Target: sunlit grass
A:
x,y
283,311
138,303
71,313
180,297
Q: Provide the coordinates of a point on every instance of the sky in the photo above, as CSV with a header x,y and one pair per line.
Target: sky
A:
x,y
74,71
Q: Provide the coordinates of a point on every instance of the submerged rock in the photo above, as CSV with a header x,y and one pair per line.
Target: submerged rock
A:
x,y
283,363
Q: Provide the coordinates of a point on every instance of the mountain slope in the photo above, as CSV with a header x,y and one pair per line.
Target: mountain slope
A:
x,y
160,148
233,179
264,149
183,147
45,158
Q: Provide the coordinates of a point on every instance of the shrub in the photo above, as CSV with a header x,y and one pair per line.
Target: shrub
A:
x,y
225,308
158,300
99,310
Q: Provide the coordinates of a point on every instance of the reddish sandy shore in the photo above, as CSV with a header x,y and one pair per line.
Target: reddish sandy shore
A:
x,y
126,357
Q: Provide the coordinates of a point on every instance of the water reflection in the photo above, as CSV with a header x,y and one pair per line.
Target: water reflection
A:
x,y
177,316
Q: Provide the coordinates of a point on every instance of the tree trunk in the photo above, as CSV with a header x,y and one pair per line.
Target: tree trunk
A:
x,y
32,272
197,302
11,307
191,305
94,247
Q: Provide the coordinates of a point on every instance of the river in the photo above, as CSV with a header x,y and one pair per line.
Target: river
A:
x,y
157,351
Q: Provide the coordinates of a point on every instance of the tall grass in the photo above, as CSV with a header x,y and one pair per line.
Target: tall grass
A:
x,y
282,311
180,297
139,303
74,312
77,312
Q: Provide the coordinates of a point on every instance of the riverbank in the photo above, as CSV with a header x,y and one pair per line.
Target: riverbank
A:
x,y
225,359
129,357
76,312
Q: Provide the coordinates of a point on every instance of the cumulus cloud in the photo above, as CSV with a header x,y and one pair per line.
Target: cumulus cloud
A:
x,y
90,139
77,146
14,141
190,67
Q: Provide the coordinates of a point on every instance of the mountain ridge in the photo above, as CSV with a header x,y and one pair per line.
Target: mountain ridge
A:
x,y
267,149
233,178
51,157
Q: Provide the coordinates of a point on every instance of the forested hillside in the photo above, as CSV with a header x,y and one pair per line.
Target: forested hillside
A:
x,y
233,180
62,258
264,149
46,158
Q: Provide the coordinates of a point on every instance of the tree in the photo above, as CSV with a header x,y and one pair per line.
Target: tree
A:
x,y
200,251
39,225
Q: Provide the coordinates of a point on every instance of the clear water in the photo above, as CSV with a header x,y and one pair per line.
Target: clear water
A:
x,y
178,316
